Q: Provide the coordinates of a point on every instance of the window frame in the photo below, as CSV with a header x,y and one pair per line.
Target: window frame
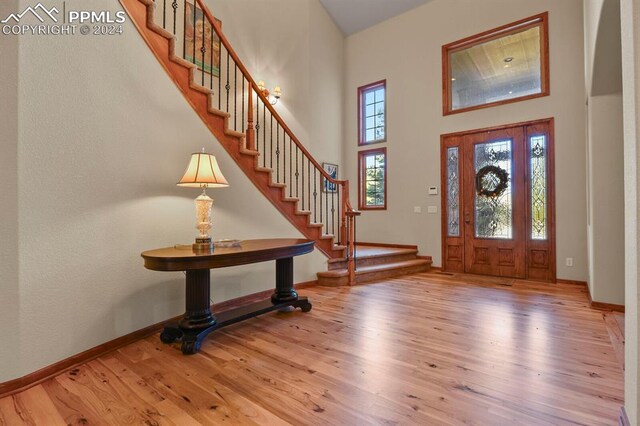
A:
x,y
362,90
541,20
361,178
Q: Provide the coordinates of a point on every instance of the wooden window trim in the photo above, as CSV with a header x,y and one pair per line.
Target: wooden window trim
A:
x,y
541,20
361,180
361,112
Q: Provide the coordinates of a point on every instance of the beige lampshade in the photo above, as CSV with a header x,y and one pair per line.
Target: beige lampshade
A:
x,y
203,172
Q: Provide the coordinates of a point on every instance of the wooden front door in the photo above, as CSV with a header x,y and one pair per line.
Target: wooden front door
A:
x,y
498,201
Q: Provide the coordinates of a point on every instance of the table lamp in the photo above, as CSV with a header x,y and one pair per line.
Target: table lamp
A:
x,y
203,172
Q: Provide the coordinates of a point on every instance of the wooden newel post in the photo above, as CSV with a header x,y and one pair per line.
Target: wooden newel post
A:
x,y
251,131
351,245
345,208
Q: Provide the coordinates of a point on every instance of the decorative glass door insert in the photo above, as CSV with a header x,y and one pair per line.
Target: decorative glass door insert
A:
x,y
493,203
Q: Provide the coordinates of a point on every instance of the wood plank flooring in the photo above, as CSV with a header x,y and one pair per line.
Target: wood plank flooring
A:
x,y
424,349
615,327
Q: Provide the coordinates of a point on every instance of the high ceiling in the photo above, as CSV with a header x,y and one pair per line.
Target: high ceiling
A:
x,y
352,16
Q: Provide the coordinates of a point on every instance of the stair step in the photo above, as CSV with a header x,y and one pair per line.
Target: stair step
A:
x,y
374,255
335,278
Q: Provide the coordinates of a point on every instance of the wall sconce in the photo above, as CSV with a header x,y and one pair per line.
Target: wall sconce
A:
x,y
274,96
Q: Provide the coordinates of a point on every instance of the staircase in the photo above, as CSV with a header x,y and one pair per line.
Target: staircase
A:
x,y
374,262
189,44
199,59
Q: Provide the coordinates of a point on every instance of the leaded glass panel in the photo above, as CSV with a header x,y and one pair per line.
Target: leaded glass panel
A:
x,y
453,190
493,209
538,172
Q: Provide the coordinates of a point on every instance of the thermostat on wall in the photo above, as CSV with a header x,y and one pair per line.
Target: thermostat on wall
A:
x,y
433,190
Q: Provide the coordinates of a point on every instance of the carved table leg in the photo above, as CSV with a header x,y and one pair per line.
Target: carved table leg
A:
x,y
198,320
284,291
198,309
284,282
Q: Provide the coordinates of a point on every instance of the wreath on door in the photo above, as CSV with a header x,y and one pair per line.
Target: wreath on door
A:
x,y
491,181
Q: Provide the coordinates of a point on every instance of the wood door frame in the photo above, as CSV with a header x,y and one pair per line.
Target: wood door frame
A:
x,y
529,129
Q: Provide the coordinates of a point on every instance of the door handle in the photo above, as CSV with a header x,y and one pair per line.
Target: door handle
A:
x,y
467,216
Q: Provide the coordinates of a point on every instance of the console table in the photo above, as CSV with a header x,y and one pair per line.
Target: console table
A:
x,y
198,320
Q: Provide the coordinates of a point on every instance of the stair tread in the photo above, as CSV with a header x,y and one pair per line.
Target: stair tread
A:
x,y
371,252
375,268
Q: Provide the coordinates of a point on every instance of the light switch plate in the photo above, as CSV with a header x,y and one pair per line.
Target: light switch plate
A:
x,y
433,190
432,209
417,209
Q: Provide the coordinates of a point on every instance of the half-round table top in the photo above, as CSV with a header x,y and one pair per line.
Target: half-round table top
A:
x,y
183,258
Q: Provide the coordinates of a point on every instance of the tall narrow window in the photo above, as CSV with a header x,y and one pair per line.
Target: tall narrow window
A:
x,y
538,172
453,190
372,179
372,111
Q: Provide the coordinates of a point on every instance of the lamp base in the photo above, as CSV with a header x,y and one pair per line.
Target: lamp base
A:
x,y
203,244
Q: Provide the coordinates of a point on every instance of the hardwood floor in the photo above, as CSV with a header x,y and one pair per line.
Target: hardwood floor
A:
x,y
427,349
615,328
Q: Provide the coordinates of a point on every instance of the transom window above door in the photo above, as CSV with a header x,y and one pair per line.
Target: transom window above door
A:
x,y
506,64
372,111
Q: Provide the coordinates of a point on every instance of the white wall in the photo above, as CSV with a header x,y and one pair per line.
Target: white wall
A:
x,y
630,19
406,50
592,9
605,195
9,289
104,136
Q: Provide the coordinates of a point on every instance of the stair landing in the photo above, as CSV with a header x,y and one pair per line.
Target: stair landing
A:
x,y
375,262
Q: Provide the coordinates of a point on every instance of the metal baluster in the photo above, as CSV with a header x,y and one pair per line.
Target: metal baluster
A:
x,y
271,145
213,33
194,32
278,151
333,211
242,128
227,86
257,123
326,206
290,166
164,14
321,188
309,182
174,5
302,187
220,79
297,173
203,50
264,134
284,157
235,96
339,215
315,195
